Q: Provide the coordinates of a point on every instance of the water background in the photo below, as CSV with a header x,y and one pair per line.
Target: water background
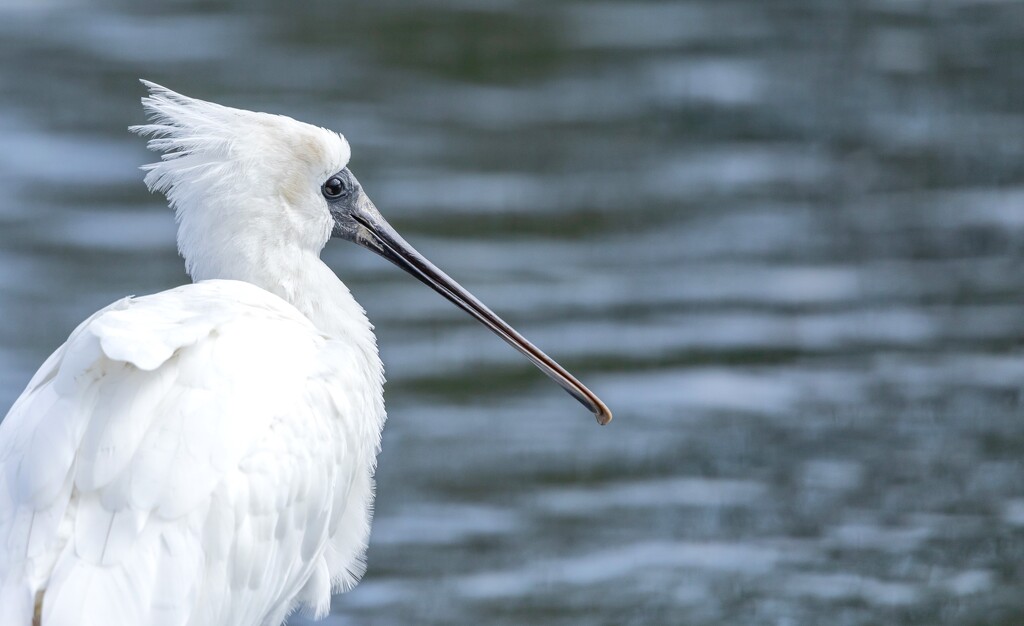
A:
x,y
783,240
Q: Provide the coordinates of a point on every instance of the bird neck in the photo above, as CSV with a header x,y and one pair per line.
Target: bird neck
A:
x,y
314,289
303,280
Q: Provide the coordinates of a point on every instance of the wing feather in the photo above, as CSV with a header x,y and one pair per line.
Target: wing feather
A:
x,y
184,459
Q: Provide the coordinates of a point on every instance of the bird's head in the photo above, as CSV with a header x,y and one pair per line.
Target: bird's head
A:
x,y
251,189
242,183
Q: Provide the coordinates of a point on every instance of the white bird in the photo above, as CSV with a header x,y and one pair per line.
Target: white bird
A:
x,y
205,455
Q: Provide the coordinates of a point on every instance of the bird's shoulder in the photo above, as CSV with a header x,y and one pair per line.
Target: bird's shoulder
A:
x,y
211,364
145,330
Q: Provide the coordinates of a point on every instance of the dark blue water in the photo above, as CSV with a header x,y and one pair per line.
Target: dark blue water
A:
x,y
783,240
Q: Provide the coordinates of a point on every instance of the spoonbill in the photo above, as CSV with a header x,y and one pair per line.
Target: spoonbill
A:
x,y
205,455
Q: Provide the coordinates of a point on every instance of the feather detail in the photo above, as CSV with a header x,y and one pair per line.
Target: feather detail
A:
x,y
193,457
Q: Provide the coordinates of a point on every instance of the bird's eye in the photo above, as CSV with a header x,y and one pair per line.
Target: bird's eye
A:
x,y
334,187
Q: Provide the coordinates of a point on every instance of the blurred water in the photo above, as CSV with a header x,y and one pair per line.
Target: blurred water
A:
x,y
783,240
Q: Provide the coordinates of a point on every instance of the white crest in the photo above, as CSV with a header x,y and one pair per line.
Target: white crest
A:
x,y
244,185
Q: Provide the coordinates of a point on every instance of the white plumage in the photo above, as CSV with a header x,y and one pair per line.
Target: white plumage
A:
x,y
199,456
205,455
